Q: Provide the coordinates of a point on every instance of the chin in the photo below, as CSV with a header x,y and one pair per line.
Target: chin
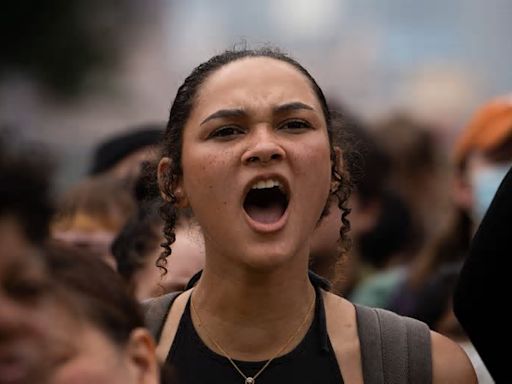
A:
x,y
268,260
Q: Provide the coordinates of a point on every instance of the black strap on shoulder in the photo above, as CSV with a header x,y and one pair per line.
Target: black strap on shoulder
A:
x,y
155,312
394,349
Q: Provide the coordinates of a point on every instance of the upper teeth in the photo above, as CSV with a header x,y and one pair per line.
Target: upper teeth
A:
x,y
267,184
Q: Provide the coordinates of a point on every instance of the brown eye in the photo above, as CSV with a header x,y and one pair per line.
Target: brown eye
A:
x,y
295,125
226,133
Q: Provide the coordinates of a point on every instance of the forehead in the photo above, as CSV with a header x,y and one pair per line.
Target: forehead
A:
x,y
255,82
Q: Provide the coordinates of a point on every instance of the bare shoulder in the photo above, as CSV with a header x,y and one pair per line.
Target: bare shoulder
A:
x,y
340,315
337,303
450,363
342,330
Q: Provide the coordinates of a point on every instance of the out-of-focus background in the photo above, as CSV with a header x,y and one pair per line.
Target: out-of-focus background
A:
x,y
73,72
84,76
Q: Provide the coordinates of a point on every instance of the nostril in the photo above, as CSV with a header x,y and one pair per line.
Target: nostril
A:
x,y
263,154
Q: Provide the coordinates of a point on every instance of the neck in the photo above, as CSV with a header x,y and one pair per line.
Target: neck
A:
x,y
252,314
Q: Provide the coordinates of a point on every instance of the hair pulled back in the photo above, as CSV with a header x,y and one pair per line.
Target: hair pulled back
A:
x,y
179,114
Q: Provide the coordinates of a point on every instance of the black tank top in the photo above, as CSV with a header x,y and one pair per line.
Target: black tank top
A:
x,y
313,361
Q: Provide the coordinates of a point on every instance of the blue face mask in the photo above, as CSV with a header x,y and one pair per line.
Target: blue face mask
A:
x,y
485,184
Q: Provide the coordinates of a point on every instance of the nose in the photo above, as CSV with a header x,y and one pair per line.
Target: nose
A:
x,y
264,149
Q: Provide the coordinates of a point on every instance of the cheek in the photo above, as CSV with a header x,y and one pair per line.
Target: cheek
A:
x,y
92,359
94,367
315,163
206,176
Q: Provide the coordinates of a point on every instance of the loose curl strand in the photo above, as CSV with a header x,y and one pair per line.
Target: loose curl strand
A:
x,y
169,215
342,191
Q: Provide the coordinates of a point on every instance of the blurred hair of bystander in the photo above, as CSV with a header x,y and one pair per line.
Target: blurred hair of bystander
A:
x,y
91,214
122,155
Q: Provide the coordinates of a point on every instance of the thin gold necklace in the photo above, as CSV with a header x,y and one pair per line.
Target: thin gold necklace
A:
x,y
248,379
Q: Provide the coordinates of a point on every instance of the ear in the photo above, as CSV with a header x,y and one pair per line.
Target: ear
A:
x,y
141,354
163,173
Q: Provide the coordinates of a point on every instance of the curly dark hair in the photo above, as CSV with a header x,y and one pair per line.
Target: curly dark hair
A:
x,y
180,112
136,241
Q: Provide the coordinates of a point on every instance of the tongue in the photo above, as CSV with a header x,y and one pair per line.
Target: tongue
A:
x,y
268,214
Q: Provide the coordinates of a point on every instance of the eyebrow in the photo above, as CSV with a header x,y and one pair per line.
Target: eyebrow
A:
x,y
223,113
239,112
292,107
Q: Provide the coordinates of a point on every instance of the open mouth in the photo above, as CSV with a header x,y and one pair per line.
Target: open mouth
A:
x,y
266,201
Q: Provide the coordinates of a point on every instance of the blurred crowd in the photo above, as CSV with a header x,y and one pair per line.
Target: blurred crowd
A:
x,y
80,262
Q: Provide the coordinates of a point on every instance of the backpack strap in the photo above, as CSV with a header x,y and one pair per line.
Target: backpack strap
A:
x,y
163,315
394,349
155,312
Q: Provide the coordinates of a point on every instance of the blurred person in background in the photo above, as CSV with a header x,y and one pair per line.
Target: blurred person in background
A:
x,y
122,156
418,172
91,213
65,316
137,247
411,206
26,310
103,339
482,157
487,149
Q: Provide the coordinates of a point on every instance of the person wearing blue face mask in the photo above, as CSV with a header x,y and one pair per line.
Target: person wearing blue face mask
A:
x,y
485,183
487,151
482,157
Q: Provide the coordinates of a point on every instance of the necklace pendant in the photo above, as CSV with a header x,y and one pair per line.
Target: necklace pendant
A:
x,y
249,380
